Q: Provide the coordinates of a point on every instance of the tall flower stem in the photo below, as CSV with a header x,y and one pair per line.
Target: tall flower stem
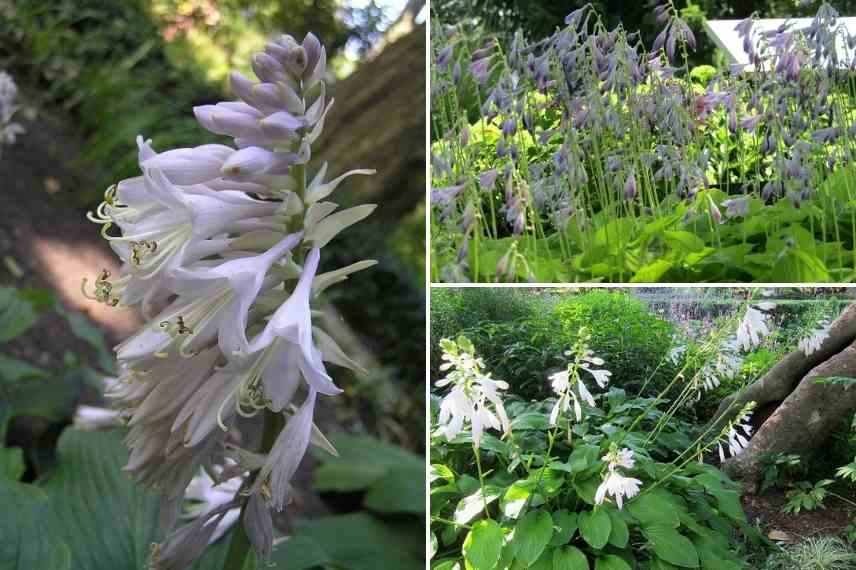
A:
x,y
240,545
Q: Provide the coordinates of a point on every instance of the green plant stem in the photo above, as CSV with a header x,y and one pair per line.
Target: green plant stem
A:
x,y
240,545
481,479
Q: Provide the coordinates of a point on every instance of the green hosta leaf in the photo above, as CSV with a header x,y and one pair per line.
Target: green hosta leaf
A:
x,y
653,272
587,488
482,546
13,370
728,500
401,490
532,535
515,497
544,562
595,527
447,565
294,553
653,508
569,558
671,546
566,523
439,471
27,543
107,520
582,457
471,505
620,533
611,562
16,314
660,564
530,420
359,541
362,462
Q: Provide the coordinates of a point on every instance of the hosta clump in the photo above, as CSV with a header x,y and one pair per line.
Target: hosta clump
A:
x,y
220,248
595,158
614,485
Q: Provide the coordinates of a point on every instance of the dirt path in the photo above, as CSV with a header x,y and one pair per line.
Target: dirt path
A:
x,y
45,240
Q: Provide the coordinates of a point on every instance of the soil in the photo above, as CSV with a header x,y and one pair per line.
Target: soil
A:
x,y
785,527
46,243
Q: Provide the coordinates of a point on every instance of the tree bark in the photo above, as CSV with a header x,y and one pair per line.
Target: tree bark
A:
x,y
804,420
784,377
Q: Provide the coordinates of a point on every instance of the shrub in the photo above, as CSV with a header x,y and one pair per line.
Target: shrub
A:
x,y
546,480
633,341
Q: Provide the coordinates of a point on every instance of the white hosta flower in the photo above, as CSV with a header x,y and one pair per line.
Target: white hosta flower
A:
x,y
812,343
754,326
562,383
620,458
614,483
220,248
93,418
618,486
9,130
471,398
600,376
209,495
738,436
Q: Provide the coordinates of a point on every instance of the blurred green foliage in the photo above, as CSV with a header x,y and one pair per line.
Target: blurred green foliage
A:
x,y
541,18
129,67
522,336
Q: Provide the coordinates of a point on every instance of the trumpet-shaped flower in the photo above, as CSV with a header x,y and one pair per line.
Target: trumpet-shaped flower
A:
x,y
220,248
614,483
474,396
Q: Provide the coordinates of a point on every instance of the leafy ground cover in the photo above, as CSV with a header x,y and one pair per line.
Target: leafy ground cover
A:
x,y
586,156
600,470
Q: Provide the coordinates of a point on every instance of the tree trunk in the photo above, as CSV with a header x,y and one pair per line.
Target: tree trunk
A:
x,y
803,421
783,378
804,412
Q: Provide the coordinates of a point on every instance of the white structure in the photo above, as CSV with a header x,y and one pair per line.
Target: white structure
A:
x,y
728,39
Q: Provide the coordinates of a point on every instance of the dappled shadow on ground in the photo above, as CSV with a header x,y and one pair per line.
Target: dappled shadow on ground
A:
x,y
45,240
790,528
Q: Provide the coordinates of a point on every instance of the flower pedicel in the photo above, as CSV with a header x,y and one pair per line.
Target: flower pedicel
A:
x,y
220,249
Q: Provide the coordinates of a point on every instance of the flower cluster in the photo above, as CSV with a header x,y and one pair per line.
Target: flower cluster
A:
x,y
736,433
220,248
614,482
601,143
472,395
9,131
814,340
568,384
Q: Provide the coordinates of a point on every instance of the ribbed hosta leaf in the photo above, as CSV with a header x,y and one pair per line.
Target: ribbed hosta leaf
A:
x,y
107,520
25,542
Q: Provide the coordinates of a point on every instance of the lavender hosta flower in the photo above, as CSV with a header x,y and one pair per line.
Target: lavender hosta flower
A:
x,y
445,57
714,212
750,123
736,207
446,194
630,186
487,179
227,280
480,69
826,135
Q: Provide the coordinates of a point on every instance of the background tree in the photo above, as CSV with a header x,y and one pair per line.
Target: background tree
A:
x,y
799,401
